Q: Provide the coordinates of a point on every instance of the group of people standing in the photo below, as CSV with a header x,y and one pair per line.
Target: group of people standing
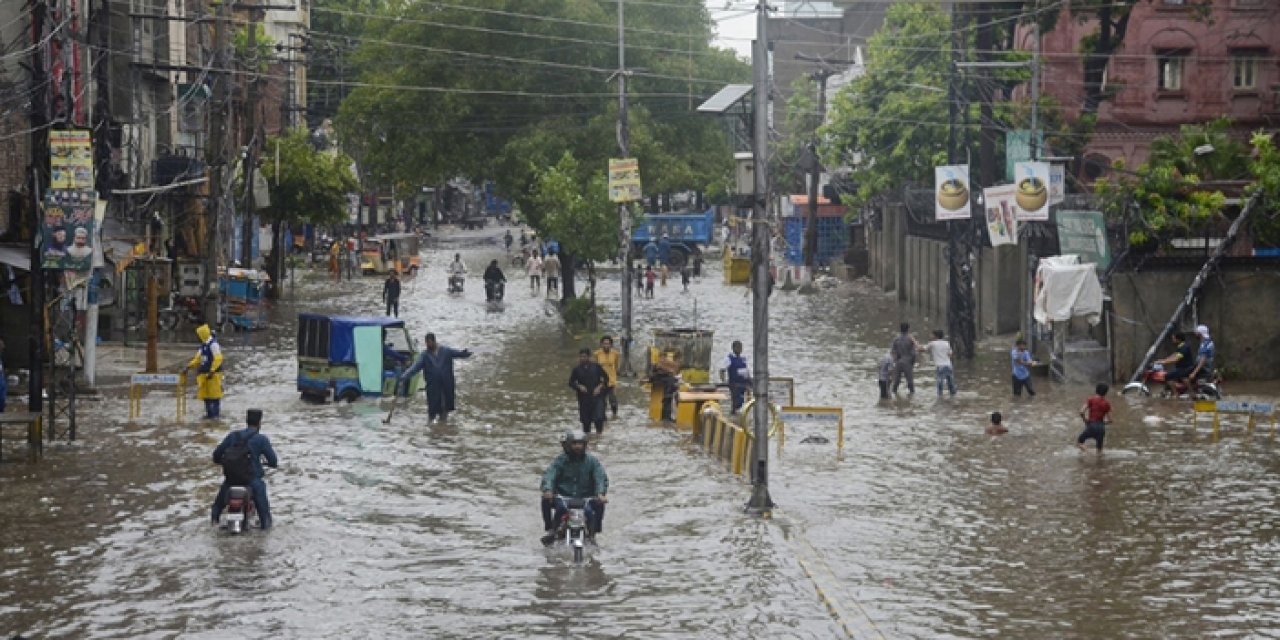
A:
x,y
537,267
595,381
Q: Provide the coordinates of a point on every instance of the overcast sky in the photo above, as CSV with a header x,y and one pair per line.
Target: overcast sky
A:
x,y
736,19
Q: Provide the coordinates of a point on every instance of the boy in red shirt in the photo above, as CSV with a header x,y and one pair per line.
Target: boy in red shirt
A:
x,y
1096,413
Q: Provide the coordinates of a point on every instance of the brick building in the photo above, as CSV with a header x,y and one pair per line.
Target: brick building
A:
x,y
1174,67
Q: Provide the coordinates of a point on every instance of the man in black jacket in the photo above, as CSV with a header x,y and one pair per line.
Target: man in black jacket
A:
x,y
589,380
391,294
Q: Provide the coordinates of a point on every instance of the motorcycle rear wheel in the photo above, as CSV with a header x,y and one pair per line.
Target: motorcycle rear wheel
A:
x,y
577,554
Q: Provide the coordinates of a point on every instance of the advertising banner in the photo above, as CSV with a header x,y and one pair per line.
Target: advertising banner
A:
x,y
624,180
70,160
1002,224
1057,184
1084,233
951,192
1032,196
68,230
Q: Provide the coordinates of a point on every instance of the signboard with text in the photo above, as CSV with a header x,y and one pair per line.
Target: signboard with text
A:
x,y
624,180
1084,233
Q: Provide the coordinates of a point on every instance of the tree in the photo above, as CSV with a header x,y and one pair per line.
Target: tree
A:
x,y
803,121
578,215
312,186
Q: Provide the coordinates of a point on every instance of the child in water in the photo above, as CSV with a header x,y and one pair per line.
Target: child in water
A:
x,y
995,428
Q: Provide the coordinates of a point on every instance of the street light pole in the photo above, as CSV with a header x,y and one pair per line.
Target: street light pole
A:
x,y
624,208
760,502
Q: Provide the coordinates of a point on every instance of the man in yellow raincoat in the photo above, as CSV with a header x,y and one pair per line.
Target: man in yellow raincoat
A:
x,y
208,365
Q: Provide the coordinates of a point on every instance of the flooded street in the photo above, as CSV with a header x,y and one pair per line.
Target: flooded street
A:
x,y
922,528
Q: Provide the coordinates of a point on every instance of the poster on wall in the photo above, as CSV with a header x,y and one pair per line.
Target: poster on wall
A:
x,y
951,188
624,180
1057,184
70,160
1002,223
68,230
1032,196
1084,233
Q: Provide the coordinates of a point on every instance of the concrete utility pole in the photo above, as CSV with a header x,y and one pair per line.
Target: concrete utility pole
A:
x,y
248,229
815,174
760,502
624,209
960,321
216,157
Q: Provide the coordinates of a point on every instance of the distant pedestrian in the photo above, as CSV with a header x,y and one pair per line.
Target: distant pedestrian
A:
x,y
649,278
589,380
885,374
940,350
391,294
608,360
662,274
685,274
533,267
551,269
1096,413
1021,369
904,349
735,371
995,428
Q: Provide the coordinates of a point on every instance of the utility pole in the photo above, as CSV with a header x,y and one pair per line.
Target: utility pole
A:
x,y
248,229
624,208
960,322
760,503
39,165
815,173
216,155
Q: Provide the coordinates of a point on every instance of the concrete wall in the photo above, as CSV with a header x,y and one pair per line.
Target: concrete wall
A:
x,y
1001,276
1240,305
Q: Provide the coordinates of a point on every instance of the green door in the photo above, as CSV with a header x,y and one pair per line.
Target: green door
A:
x,y
368,342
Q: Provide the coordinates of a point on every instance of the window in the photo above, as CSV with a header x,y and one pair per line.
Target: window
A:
x,y
1244,71
1169,69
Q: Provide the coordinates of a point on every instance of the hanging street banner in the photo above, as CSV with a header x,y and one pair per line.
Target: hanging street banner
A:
x,y
68,230
624,180
951,192
1002,223
1032,191
70,160
1084,233
1057,184
1017,148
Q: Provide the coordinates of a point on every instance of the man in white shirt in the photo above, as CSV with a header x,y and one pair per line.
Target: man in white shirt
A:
x,y
940,349
534,268
551,267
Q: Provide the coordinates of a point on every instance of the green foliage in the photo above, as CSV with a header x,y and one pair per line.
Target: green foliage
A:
x,y
891,133
1265,168
487,89
802,128
579,315
576,212
1164,198
313,184
259,58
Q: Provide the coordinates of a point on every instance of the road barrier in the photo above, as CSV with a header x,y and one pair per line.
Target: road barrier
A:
x,y
1233,407
140,382
727,441
33,423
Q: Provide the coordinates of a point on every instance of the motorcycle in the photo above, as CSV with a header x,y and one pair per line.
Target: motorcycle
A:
x,y
181,308
573,525
1205,389
494,290
455,283
239,514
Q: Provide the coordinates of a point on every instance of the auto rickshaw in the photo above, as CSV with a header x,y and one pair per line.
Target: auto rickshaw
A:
x,y
348,357
390,252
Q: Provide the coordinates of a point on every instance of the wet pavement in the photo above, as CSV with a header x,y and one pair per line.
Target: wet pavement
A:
x,y
922,527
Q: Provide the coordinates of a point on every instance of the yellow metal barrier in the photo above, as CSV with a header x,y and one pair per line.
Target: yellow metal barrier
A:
x,y
774,424
1230,407
139,382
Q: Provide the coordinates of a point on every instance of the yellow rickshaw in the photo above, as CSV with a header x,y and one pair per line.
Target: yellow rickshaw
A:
x,y
390,252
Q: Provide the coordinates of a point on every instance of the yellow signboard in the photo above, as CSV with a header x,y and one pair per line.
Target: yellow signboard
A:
x,y
624,180
70,160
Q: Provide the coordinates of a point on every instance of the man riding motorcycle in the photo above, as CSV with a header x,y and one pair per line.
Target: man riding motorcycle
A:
x,y
1203,369
1179,364
259,448
492,277
457,271
574,474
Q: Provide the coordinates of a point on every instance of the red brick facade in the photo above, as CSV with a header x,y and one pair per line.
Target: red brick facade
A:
x,y
1173,68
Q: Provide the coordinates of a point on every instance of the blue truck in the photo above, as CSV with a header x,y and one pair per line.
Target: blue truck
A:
x,y
687,231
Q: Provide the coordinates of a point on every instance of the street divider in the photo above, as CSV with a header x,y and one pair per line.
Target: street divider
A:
x,y
729,442
140,382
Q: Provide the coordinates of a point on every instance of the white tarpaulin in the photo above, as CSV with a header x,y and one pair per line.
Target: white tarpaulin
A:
x,y
1065,289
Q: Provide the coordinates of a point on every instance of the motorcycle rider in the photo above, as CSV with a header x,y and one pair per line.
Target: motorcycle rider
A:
x,y
1204,356
492,277
208,364
574,474
458,270
507,240
1179,364
259,447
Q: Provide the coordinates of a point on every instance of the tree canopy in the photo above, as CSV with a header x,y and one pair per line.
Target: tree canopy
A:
x,y
313,185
